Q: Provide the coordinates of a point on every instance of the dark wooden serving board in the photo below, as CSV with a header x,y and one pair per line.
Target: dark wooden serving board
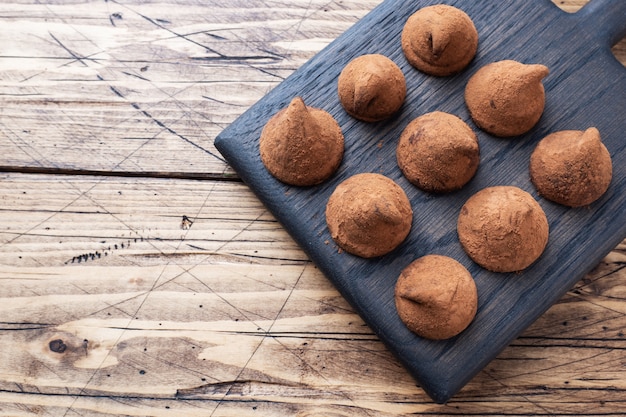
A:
x,y
586,87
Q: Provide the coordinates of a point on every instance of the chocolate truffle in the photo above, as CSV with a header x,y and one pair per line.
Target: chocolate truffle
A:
x,y
506,98
369,215
438,152
571,167
439,40
503,229
371,88
436,297
301,145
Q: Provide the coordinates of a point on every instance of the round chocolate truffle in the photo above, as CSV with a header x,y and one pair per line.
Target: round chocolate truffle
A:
x,y
438,152
369,215
371,88
503,229
436,297
506,98
439,40
571,167
301,145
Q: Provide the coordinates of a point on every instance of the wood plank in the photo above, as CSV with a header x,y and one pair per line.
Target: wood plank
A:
x,y
228,317
122,219
138,87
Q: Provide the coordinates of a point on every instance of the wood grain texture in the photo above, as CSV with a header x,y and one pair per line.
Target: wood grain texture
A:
x,y
129,288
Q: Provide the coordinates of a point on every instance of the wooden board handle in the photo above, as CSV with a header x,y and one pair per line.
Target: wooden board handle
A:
x,y
606,18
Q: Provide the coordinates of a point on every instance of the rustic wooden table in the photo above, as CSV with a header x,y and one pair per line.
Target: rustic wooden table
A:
x,y
140,277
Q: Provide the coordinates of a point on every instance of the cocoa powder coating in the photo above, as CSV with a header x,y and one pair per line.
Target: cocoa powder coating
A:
x,y
301,145
436,297
439,40
506,98
503,229
438,152
571,167
371,88
369,215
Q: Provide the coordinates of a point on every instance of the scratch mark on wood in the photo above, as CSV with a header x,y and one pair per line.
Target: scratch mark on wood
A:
x,y
78,58
271,74
214,36
116,91
173,132
196,247
224,102
135,75
275,54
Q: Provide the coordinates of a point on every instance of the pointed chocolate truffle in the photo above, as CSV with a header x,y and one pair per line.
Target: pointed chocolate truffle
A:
x,y
439,40
506,98
571,167
371,88
503,229
436,297
438,152
301,145
369,215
